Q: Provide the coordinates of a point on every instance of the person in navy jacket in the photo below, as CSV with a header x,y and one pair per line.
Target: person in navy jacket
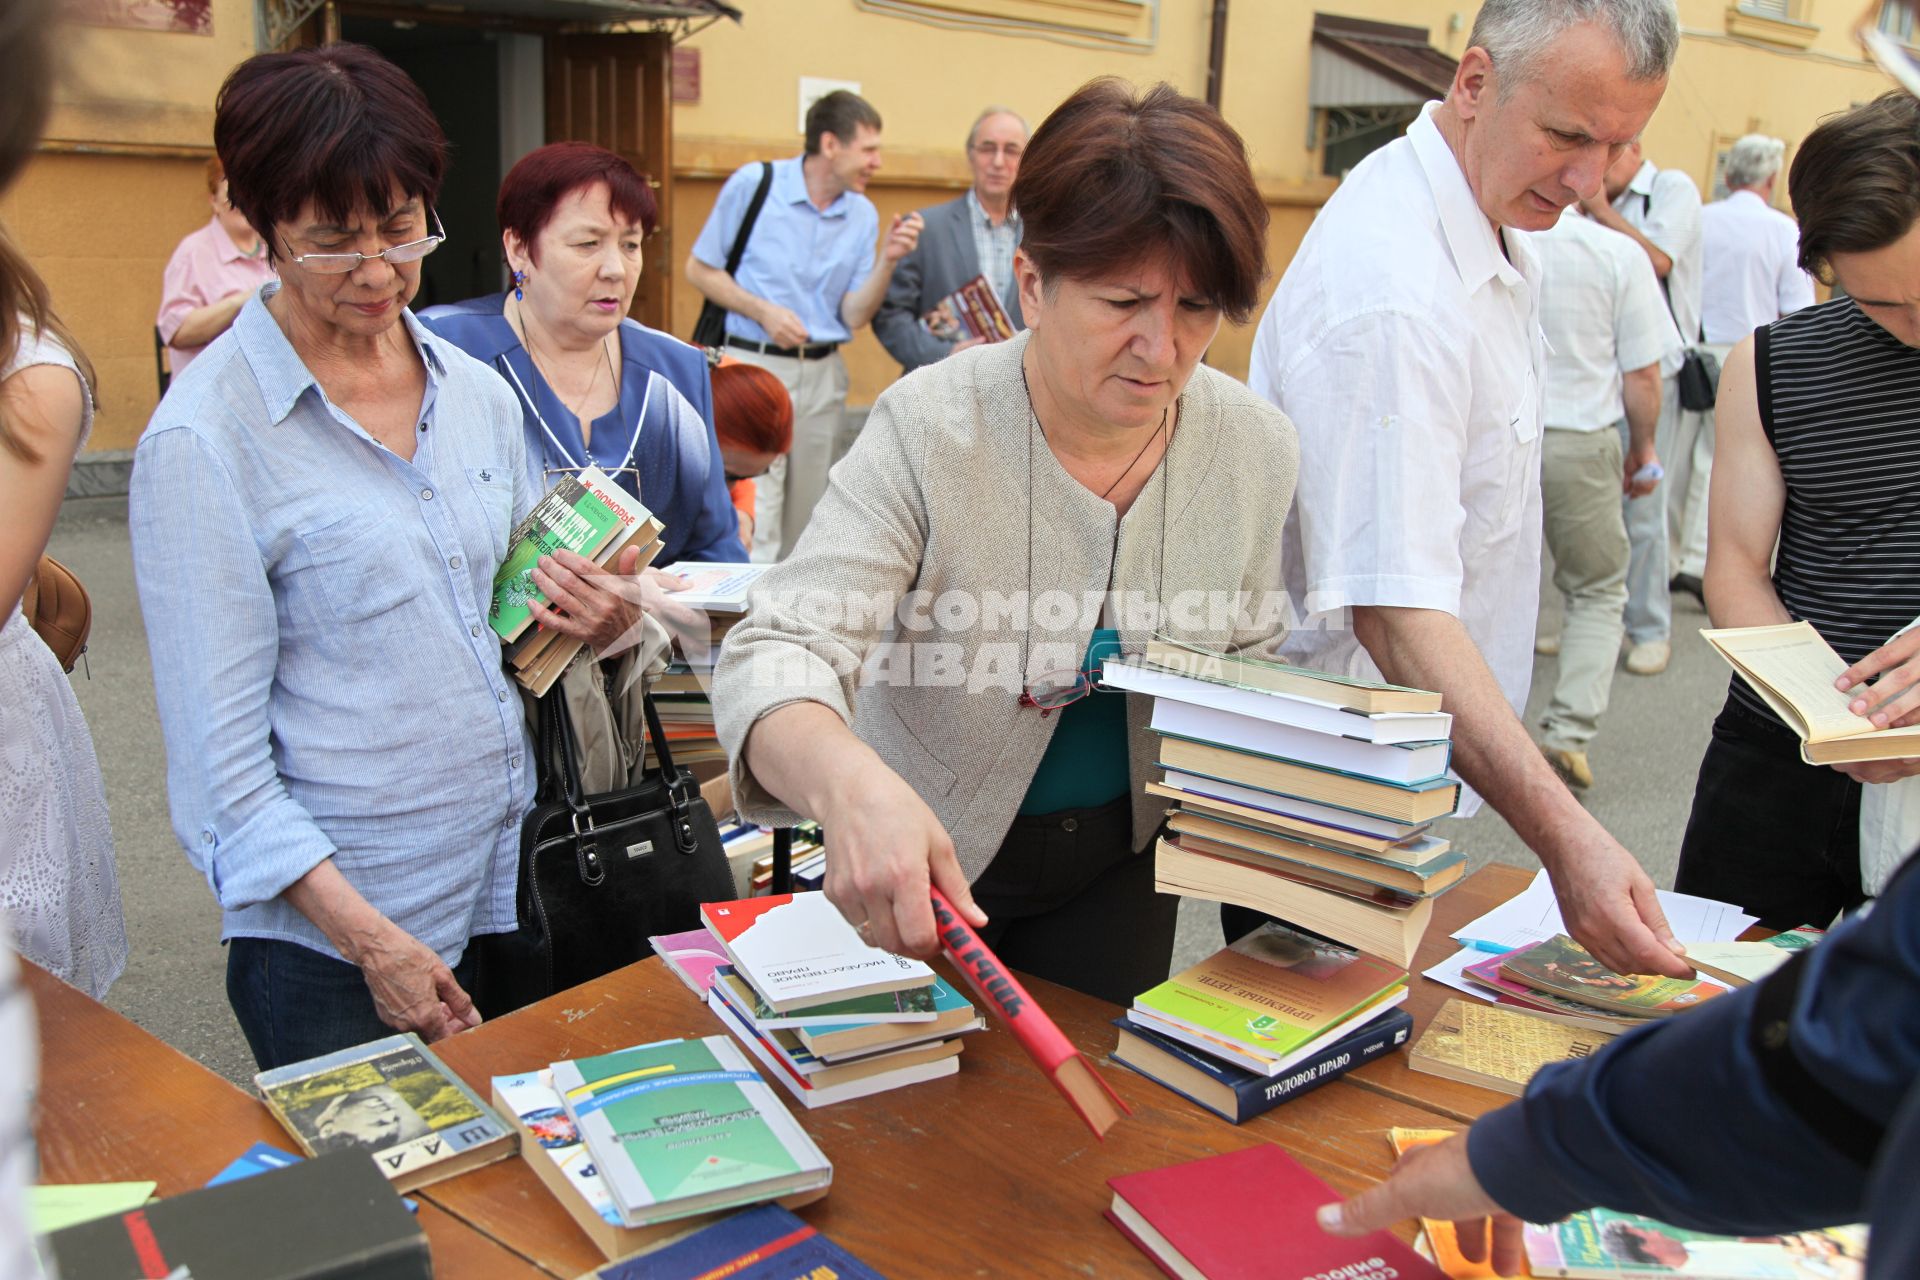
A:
x,y
596,388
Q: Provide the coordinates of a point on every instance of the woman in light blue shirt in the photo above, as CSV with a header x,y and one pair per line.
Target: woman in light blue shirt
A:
x,y
318,509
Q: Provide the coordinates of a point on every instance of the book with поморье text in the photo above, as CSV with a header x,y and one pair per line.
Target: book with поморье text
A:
x,y
1606,1244
1564,967
1792,668
330,1218
1443,1239
1497,1048
686,1126
1369,697
1272,991
552,1148
1138,676
1411,847
1401,763
798,950
581,513
393,1099
1249,1215
803,1088
973,311
1741,963
1418,802
1391,932
767,1243
1237,1094
1431,876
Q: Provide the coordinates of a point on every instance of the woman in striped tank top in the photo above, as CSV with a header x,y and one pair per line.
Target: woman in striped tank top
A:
x,y
1819,426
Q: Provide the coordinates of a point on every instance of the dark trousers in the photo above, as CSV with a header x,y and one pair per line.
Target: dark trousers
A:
x,y
1068,900
1775,836
293,1003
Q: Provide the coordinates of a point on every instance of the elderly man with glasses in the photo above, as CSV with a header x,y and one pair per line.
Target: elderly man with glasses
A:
x,y
974,236
318,509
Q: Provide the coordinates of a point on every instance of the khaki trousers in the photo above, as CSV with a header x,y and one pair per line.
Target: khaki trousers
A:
x,y
784,498
1580,480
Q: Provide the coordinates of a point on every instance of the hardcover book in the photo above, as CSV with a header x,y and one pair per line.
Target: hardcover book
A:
x,y
393,1099
1369,697
1136,676
330,1218
1416,802
582,514
1434,875
1497,1048
1604,1244
1249,1215
1562,966
1272,991
686,1126
552,1148
767,1243
798,950
1330,828
1237,1094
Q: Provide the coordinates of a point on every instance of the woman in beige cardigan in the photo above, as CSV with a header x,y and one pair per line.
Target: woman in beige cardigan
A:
x,y
911,676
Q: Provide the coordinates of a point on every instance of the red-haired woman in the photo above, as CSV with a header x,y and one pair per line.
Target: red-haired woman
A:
x,y
596,388
753,417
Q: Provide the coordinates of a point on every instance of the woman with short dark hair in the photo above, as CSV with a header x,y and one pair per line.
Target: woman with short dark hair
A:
x,y
317,514
595,387
1023,510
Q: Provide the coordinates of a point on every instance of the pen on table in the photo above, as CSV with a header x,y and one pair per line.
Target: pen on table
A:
x,y
1477,944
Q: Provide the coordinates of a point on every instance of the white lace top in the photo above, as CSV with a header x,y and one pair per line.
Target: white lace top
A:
x,y
58,887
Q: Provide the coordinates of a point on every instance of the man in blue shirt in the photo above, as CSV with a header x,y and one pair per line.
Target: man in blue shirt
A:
x,y
808,279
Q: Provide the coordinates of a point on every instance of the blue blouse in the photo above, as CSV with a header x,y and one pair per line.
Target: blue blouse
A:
x,y
657,442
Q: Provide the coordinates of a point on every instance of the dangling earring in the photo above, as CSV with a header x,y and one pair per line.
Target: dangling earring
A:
x,y
519,278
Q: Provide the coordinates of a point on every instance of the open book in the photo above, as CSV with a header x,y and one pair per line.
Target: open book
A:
x,y
971,311
1793,669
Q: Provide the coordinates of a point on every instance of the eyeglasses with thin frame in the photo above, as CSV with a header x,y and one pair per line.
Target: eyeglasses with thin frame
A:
x,y
987,150
1053,690
339,264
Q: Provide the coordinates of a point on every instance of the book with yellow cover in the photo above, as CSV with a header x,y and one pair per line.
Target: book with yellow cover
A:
x,y
1793,668
1442,1237
1496,1048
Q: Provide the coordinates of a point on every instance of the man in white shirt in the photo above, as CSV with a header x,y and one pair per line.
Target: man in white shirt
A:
x,y
1608,335
1660,210
1750,255
1404,342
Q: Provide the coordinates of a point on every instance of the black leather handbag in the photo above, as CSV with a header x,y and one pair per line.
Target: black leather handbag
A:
x,y
600,873
1699,381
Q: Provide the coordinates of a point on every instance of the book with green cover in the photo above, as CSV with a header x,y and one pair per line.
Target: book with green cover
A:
x,y
1272,991
1565,968
577,514
951,1013
1606,1244
686,1126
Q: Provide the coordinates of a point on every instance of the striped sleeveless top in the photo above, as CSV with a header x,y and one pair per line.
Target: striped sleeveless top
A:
x,y
1840,403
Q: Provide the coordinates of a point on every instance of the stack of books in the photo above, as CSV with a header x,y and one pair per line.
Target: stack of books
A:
x,y
661,1133
1302,795
1559,981
587,514
1275,1014
749,852
829,1016
683,695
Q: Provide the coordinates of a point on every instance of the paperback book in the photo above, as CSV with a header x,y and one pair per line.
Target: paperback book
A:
x,y
1431,876
393,1099
766,1243
973,311
1605,1244
1563,967
804,1087
686,1126
798,950
1497,1048
1741,963
582,513
1411,803
716,586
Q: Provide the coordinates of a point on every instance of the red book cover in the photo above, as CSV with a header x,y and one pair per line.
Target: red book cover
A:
x,y
1249,1215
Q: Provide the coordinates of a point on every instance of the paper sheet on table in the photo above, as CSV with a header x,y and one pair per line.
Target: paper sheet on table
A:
x,y
51,1208
1534,916
1452,972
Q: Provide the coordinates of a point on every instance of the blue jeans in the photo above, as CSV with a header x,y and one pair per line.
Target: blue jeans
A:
x,y
294,1003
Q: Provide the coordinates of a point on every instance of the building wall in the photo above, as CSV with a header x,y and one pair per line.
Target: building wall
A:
x,y
120,183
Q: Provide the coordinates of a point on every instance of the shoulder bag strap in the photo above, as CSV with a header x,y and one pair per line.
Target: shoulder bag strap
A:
x,y
739,249
680,787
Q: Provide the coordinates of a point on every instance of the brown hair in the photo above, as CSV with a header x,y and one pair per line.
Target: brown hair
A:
x,y
1856,182
840,113
338,125
27,53
1112,177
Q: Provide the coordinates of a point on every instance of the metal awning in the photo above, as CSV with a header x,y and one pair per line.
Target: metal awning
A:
x,y
1359,64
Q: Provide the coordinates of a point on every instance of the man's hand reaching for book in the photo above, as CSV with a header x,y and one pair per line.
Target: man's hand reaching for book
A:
x,y
888,846
1609,906
1436,1182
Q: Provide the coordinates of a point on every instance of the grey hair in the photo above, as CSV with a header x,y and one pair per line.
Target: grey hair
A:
x,y
973,129
1516,33
1753,159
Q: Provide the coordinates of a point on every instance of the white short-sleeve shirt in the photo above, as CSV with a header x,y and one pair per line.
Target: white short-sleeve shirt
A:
x,y
1751,255
1404,343
1664,206
1602,313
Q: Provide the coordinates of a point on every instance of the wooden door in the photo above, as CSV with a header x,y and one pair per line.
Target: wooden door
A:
x,y
616,91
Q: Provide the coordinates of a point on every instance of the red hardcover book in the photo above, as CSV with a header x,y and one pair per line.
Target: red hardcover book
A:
x,y
1248,1215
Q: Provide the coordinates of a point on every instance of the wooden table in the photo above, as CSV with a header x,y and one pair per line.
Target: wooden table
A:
x,y
984,1173
118,1105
